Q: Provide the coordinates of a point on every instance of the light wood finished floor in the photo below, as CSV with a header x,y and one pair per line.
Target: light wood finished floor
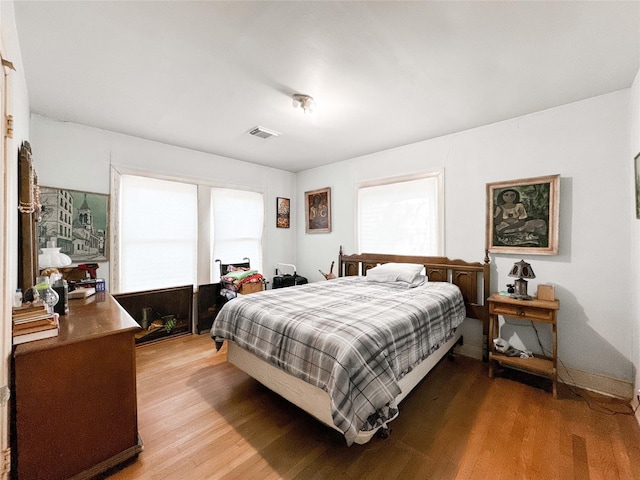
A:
x,y
201,418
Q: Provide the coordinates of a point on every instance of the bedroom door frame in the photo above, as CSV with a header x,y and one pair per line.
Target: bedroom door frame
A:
x,y
8,232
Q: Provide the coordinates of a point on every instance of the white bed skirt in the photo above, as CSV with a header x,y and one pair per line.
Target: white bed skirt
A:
x,y
314,400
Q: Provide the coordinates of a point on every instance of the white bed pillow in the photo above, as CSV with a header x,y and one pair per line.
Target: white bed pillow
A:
x,y
409,274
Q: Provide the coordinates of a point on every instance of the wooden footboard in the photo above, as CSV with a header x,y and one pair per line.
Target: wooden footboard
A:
x,y
473,279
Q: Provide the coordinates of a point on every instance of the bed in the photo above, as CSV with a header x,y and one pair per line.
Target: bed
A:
x,y
349,350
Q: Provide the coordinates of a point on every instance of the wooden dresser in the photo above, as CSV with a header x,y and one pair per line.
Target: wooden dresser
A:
x,y
75,404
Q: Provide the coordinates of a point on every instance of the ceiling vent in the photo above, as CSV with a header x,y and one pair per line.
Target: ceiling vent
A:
x,y
263,132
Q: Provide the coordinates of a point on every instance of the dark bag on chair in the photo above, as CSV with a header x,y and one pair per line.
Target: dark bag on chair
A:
x,y
287,280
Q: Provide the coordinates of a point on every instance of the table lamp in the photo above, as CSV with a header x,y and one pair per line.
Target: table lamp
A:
x,y
521,270
51,256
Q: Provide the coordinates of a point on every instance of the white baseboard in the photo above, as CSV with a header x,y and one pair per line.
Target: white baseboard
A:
x,y
636,407
595,382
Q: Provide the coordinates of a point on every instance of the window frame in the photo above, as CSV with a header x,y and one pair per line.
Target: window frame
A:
x,y
204,255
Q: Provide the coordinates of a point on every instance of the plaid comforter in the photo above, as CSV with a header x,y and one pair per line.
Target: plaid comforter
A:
x,y
351,337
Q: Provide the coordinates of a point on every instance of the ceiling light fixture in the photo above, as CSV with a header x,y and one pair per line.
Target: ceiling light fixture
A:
x,y
306,102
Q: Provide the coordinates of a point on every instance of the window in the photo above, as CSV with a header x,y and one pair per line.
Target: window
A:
x,y
402,216
237,219
159,230
158,233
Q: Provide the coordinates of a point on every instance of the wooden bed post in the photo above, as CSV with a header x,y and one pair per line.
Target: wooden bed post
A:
x,y
485,295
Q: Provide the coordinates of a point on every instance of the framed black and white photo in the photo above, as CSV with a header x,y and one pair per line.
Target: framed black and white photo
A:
x,y
522,216
75,221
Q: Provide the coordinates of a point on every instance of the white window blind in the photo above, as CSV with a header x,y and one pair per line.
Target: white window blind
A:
x,y
237,222
158,233
402,217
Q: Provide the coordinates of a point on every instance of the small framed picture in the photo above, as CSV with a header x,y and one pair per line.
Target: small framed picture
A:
x,y
283,212
318,211
637,196
522,216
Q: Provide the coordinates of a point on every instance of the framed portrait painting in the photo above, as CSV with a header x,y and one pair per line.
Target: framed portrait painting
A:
x,y
75,221
283,206
317,207
522,216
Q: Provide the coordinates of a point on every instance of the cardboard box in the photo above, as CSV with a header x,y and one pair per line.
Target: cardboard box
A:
x,y
251,287
546,292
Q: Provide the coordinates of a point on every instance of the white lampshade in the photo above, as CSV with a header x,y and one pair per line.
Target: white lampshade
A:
x,y
53,257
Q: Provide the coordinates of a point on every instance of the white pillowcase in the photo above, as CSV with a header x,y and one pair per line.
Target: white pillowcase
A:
x,y
409,274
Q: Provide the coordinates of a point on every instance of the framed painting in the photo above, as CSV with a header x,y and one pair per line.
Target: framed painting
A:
x,y
637,196
283,212
522,216
317,207
75,221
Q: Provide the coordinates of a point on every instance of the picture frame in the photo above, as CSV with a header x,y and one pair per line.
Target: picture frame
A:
x,y
75,221
526,220
283,209
317,208
636,162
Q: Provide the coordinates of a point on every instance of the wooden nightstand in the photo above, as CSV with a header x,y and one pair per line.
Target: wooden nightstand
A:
x,y
535,310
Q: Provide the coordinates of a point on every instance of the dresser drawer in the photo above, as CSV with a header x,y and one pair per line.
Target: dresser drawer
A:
x,y
518,311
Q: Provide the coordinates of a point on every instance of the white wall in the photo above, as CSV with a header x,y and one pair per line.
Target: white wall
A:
x,y
77,157
635,233
587,143
17,105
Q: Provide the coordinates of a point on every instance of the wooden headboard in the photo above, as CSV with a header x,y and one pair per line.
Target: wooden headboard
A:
x,y
473,278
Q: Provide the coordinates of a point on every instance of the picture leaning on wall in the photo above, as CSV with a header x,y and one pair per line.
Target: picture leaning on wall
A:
x,y
75,221
522,216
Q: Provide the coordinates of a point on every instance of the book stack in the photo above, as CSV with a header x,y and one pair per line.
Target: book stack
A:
x,y
33,322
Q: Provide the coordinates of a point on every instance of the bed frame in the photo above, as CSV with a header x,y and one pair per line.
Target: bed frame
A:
x,y
471,278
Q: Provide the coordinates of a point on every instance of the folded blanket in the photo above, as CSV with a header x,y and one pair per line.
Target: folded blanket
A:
x,y
233,284
239,274
256,277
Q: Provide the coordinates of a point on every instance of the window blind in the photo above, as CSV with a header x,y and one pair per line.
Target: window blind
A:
x,y
237,222
158,233
401,217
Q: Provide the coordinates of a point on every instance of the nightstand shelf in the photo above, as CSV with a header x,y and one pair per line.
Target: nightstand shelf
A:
x,y
539,365
535,310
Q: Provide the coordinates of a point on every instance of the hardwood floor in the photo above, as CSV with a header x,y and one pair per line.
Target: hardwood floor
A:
x,y
201,418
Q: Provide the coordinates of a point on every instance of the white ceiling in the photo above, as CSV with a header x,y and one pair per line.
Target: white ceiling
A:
x,y
201,74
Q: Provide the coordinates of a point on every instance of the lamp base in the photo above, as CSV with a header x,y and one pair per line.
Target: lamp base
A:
x,y
520,293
